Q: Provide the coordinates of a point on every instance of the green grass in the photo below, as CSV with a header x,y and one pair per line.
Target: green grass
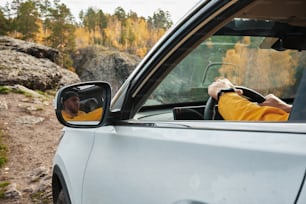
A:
x,y
3,160
18,91
3,186
39,197
4,90
3,151
41,92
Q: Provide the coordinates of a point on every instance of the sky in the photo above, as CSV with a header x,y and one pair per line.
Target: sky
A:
x,y
145,8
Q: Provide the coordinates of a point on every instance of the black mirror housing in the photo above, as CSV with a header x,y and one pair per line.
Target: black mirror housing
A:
x,y
83,105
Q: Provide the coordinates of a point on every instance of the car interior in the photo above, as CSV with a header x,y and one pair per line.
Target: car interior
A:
x,y
89,104
262,47
90,97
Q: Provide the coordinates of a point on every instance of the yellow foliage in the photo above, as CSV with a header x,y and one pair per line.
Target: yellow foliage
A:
x,y
82,37
39,38
234,63
133,35
71,69
141,51
260,69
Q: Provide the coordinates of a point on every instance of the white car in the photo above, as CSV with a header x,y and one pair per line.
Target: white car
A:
x,y
161,140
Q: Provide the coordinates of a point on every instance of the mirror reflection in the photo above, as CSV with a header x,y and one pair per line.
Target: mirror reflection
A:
x,y
82,103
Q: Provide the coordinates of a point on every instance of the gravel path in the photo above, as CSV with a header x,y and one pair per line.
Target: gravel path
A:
x,y
31,131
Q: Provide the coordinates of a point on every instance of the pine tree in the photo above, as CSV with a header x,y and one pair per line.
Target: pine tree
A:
x,y
26,20
4,24
160,20
102,24
44,6
62,28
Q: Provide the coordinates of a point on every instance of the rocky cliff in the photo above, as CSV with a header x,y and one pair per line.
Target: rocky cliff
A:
x,y
97,63
31,65
35,66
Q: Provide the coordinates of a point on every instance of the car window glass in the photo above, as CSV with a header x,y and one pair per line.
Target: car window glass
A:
x,y
245,60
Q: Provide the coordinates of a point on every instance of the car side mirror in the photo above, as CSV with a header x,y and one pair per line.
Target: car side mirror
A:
x,y
83,104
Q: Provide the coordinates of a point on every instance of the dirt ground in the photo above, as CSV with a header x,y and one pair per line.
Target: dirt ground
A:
x,y
31,131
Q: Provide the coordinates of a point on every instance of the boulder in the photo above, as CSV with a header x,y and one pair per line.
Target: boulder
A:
x,y
12,192
68,77
34,73
97,63
32,66
33,49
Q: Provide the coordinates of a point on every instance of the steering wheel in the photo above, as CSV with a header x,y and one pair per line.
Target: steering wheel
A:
x,y
251,95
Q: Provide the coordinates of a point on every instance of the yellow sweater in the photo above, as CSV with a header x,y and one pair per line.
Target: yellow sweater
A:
x,y
94,115
234,107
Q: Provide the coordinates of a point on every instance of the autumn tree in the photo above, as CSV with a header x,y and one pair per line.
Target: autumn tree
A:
x,y
7,19
89,20
160,20
4,24
132,15
61,26
52,24
26,20
120,14
102,24
44,6
261,69
113,32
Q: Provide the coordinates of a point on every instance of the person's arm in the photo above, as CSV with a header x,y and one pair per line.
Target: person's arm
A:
x,y
68,117
94,115
272,100
234,107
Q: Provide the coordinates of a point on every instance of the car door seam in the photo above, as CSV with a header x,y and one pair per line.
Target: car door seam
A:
x,y
301,188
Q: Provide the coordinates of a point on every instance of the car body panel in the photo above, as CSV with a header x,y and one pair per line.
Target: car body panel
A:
x,y
302,196
166,165
72,156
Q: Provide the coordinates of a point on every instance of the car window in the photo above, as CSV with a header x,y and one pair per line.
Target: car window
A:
x,y
242,59
255,60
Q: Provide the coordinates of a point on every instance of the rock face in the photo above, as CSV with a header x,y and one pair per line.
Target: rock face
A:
x,y
95,63
33,49
34,66
31,65
20,68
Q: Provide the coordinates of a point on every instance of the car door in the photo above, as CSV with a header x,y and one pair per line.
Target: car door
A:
x,y
208,163
155,161
143,155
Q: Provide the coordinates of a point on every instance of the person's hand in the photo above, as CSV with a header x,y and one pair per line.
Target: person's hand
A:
x,y
216,86
272,100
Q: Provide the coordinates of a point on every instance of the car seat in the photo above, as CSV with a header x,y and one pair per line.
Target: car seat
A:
x,y
89,105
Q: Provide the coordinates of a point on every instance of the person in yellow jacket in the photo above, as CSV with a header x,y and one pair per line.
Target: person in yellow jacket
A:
x,y
232,106
72,112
